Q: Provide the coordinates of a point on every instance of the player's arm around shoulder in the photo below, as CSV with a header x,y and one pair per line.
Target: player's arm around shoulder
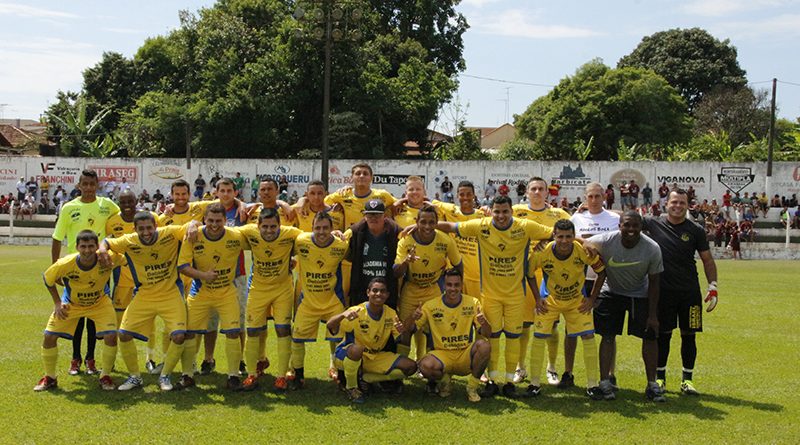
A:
x,y
535,230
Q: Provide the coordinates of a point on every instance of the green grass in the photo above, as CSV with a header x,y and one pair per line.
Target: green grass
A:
x,y
746,371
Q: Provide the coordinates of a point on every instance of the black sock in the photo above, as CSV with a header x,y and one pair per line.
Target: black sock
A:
x,y
664,340
688,354
91,339
77,337
299,373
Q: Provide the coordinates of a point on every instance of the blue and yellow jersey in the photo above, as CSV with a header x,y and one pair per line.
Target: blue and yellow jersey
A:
x,y
82,287
271,259
353,205
115,228
563,279
408,216
467,246
503,254
256,212
76,216
432,260
367,331
450,327
320,271
154,267
305,223
221,255
195,212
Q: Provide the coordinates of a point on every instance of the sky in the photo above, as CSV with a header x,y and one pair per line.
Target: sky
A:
x,y
527,46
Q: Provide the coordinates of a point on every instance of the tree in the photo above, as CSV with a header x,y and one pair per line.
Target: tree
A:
x,y
76,123
692,60
112,84
608,107
466,146
739,111
517,149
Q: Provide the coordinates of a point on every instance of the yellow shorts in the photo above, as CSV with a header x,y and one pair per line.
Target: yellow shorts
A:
x,y
102,313
140,315
504,316
472,288
305,325
455,361
242,286
265,303
381,363
221,301
411,299
122,298
577,323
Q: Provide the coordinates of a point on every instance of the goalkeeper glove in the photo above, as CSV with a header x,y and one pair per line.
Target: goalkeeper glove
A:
x,y
711,296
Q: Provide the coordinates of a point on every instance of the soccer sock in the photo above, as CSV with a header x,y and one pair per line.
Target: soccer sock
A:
x,y
233,352
494,357
262,346
173,355
77,338
688,354
422,345
284,352
298,354
165,341
107,359
49,358
537,357
664,340
351,368
251,347
371,377
151,347
127,350
473,382
404,349
524,342
512,357
189,355
91,339
552,349
590,361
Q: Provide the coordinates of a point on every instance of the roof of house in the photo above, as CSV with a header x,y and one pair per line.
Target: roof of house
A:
x,y
13,137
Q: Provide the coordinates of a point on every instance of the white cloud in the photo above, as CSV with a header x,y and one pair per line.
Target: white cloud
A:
x,y
718,8
26,11
785,26
518,23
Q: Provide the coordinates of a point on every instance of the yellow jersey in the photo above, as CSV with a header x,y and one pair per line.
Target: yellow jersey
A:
x,y
256,212
503,254
115,228
270,268
306,223
320,271
221,255
153,266
468,246
547,216
428,269
450,328
195,212
371,333
76,216
563,279
82,287
408,215
353,205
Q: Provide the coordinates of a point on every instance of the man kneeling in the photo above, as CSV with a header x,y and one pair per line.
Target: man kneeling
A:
x,y
367,328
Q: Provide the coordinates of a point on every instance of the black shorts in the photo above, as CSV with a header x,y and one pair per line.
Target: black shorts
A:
x,y
680,309
609,316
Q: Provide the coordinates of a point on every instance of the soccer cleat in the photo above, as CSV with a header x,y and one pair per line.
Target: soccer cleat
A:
x,y
75,366
662,383
152,367
567,381
261,366
165,383
485,377
355,395
520,375
107,384
207,367
432,387
281,384
613,379
608,390
687,387
472,395
532,391
595,393
132,382
445,389
654,393
91,369
552,378
46,383
234,383
242,368
333,374
295,383
186,381
509,390
490,390
250,383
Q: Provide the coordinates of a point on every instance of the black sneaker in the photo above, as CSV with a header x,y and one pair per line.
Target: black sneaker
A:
x,y
242,368
234,383
510,390
490,390
186,382
432,387
207,368
595,393
532,391
567,381
655,394
613,380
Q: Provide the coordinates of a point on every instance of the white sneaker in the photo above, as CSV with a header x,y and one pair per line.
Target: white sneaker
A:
x,y
164,383
132,382
552,378
520,375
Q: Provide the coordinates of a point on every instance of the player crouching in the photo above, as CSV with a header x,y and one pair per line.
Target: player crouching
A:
x,y
367,329
85,295
450,321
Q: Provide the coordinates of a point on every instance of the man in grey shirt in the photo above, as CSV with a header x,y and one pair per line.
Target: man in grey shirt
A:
x,y
633,264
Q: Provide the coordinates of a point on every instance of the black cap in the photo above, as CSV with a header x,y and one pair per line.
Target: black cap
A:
x,y
374,206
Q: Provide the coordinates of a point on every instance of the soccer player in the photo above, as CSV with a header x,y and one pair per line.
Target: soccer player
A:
x,y
680,303
562,263
87,212
152,255
633,264
467,246
320,255
211,260
450,323
313,204
422,258
503,244
537,209
412,203
268,199
270,293
366,329
85,295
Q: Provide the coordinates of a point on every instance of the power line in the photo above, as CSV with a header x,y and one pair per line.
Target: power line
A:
x,y
514,82
789,83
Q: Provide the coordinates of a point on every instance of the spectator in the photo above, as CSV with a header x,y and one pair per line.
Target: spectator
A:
x,y
793,200
158,196
691,194
75,192
294,198
503,190
763,203
624,197
283,184
207,196
633,194
784,216
747,232
647,195
564,204
238,182
735,243
487,200
22,189
490,190
713,208
200,186
554,189
124,186
719,233
747,213
663,192
776,202
44,188
28,207
796,219
110,188
610,196
655,209
5,202
214,180
447,189
254,185
141,205
144,196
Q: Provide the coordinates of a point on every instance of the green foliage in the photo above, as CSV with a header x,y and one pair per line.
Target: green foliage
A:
x,y
739,111
466,146
517,149
112,84
77,126
692,60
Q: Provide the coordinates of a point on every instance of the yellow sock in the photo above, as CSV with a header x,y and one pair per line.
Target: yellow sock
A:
x,y
50,358
298,354
537,357
165,341
251,346
421,344
494,358
262,346
151,347
351,368
109,355
404,350
394,374
473,382
524,342
590,360
512,357
552,348
233,352
189,355
174,354
127,350
284,352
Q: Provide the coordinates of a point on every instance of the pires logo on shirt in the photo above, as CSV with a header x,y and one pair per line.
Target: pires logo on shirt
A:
x,y
154,255
320,264
502,247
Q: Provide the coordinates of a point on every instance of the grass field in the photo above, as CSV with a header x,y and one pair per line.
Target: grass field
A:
x,y
746,370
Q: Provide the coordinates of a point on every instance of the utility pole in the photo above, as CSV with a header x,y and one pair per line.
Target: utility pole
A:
x,y
771,138
326,94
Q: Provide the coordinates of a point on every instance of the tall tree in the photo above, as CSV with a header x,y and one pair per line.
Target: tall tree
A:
x,y
739,111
